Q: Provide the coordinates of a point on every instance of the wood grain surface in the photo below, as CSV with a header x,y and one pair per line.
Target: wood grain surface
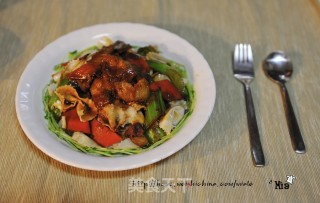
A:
x,y
220,153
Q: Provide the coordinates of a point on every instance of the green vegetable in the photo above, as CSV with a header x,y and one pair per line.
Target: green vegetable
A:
x,y
75,54
58,67
72,55
154,134
51,100
63,81
155,108
190,95
145,50
175,77
170,63
56,112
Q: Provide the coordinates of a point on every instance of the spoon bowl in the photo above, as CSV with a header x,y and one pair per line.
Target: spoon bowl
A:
x,y
278,67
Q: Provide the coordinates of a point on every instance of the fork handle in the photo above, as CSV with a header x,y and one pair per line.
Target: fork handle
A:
x,y
255,143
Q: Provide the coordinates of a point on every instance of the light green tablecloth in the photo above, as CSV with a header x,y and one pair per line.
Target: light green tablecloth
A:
x,y
220,153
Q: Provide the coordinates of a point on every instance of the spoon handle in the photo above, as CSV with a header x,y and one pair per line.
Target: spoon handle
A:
x,y
255,143
294,131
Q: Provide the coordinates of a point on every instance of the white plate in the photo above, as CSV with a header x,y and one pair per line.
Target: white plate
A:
x,y
38,72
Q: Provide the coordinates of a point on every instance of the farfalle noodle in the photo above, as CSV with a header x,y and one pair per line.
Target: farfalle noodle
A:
x,y
69,98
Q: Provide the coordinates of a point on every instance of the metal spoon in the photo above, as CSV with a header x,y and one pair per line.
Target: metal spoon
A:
x,y
278,67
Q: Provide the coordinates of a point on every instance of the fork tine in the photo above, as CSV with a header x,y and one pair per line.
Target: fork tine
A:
x,y
236,53
250,58
245,54
241,52
243,60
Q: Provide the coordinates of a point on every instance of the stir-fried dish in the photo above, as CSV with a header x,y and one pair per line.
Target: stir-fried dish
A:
x,y
115,98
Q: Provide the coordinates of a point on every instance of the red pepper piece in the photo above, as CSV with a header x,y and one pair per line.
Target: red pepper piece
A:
x,y
104,135
74,124
168,90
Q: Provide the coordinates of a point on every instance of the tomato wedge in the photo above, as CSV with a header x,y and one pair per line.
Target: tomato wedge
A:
x,y
103,135
74,123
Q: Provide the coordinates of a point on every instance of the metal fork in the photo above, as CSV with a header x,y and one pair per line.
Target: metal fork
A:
x,y
243,71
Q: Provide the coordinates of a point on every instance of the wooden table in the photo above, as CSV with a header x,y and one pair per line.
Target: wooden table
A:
x,y
219,156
